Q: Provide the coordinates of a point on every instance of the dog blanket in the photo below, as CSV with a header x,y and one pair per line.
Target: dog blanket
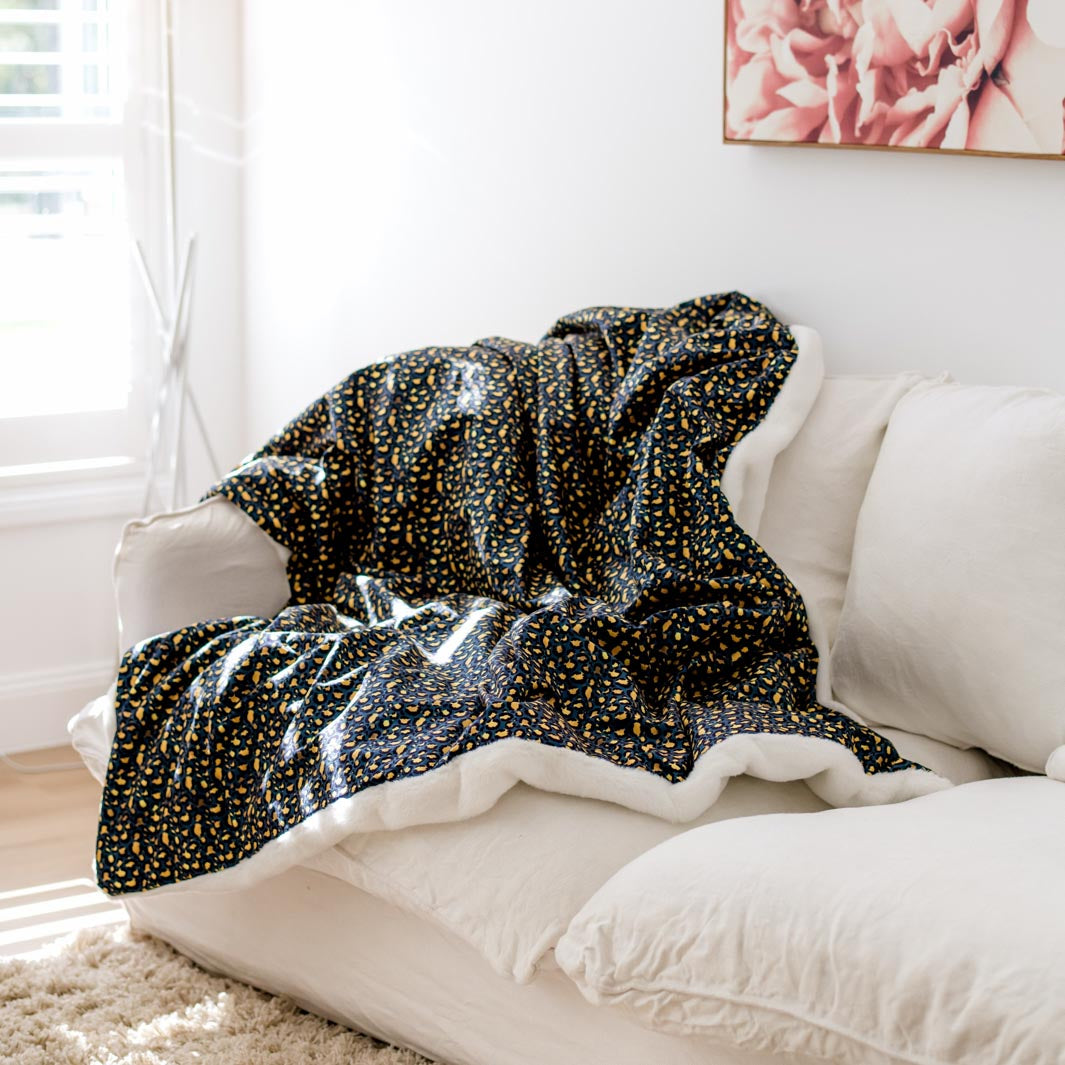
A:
x,y
508,562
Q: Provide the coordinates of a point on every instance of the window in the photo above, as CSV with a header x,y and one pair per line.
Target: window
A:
x,y
65,278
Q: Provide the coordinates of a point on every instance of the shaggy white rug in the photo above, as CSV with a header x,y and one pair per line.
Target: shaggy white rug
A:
x,y
112,997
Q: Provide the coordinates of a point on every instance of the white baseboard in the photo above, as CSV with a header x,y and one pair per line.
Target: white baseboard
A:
x,y
35,706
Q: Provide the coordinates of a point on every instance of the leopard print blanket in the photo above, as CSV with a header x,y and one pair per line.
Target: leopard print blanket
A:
x,y
508,561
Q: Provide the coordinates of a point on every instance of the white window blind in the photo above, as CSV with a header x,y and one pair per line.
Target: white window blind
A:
x,y
65,281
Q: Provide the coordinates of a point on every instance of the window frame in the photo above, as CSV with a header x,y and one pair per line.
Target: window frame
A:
x,y
40,478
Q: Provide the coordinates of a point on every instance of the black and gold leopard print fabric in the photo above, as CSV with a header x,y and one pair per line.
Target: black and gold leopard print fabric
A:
x,y
502,541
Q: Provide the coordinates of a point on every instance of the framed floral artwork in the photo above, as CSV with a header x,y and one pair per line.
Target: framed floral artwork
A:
x,y
973,76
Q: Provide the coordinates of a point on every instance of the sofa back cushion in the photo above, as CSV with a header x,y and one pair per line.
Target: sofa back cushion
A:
x,y
745,478
816,491
954,620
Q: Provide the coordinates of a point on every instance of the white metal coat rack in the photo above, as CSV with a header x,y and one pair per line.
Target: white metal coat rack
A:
x,y
165,463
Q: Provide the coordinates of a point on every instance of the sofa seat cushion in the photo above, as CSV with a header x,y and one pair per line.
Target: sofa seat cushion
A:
x,y
509,881
929,932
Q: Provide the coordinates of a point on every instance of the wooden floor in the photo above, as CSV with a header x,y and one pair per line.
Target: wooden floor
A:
x,y
47,836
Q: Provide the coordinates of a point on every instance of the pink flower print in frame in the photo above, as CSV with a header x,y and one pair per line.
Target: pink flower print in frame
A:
x,y
983,76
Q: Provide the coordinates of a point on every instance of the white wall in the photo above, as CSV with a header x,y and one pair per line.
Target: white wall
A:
x,y
57,620
58,634
432,173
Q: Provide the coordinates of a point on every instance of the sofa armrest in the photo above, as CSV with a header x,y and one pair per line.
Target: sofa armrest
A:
x,y
206,561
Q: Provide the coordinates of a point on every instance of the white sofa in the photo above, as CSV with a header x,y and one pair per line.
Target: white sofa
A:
x,y
922,522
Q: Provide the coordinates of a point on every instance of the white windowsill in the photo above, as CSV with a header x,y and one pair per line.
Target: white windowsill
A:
x,y
71,491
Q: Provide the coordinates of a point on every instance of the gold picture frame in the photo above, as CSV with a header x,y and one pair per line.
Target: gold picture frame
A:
x,y
864,108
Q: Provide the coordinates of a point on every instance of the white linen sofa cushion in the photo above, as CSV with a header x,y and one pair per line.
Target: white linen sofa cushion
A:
x,y
209,560
954,620
928,932
1056,764
509,881
816,491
